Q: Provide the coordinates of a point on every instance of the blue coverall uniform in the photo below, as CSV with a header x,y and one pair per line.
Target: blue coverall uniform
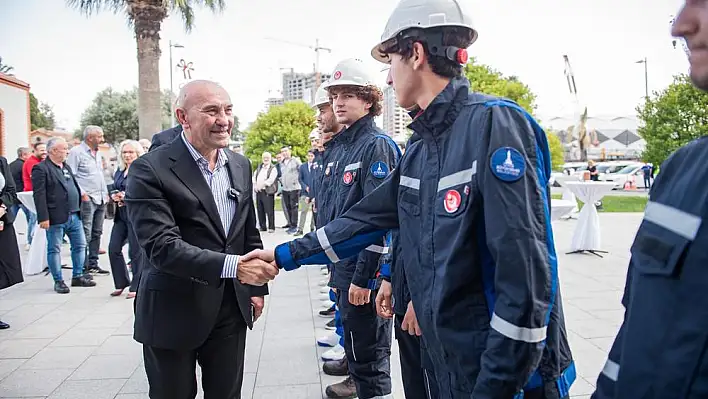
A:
x,y
660,349
417,369
471,201
355,162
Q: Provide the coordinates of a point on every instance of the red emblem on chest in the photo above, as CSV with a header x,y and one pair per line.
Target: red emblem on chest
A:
x,y
347,178
452,201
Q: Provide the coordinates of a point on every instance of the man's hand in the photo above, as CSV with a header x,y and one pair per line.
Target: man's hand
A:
x,y
258,302
307,200
384,305
255,271
410,322
85,197
44,225
359,296
266,255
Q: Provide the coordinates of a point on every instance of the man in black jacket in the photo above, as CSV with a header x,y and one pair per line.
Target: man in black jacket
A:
x,y
165,137
192,207
16,171
57,197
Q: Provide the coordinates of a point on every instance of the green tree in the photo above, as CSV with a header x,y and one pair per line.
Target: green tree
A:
x,y
671,118
556,149
146,17
4,68
484,79
41,114
288,124
117,113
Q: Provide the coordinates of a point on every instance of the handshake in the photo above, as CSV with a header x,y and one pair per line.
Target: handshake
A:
x,y
257,267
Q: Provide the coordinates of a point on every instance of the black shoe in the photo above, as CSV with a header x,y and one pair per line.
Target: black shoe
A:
x,y
60,287
331,325
337,368
262,229
88,275
328,312
287,226
298,232
4,326
98,270
82,281
342,390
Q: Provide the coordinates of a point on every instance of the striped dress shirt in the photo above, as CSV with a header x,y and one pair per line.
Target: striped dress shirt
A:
x,y
219,183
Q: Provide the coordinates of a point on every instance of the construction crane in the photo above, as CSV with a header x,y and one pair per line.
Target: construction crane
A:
x,y
317,48
579,130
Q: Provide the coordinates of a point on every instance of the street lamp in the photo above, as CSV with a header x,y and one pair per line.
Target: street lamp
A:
x,y
646,77
172,94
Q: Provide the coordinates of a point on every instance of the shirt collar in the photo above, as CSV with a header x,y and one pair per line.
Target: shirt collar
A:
x,y
199,158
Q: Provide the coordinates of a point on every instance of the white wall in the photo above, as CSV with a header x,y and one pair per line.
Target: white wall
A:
x,y
13,102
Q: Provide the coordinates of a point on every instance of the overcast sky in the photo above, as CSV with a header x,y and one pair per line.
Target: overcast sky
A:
x,y
67,58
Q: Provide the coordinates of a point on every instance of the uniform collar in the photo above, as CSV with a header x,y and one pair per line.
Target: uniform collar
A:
x,y
359,127
443,110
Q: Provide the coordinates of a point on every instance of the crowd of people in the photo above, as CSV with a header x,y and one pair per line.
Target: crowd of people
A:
x,y
452,240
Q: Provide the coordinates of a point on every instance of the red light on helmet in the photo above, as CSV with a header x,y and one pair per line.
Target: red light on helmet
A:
x,y
337,75
462,56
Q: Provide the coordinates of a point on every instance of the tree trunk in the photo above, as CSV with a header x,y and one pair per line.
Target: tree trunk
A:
x,y
148,18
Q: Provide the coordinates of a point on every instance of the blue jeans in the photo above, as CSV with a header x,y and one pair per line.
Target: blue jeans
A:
x,y
31,220
74,229
339,329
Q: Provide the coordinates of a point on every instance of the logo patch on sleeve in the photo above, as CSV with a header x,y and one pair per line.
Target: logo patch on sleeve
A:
x,y
507,164
379,170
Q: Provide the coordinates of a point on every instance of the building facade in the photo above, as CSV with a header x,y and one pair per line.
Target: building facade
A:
x,y
301,86
14,115
611,137
395,118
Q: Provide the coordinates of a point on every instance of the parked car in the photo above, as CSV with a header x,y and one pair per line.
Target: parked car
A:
x,y
631,172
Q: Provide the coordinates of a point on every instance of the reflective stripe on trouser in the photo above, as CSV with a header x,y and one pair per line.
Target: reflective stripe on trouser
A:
x,y
418,383
367,342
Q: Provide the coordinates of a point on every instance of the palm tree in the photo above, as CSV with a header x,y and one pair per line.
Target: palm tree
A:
x,y
4,68
146,17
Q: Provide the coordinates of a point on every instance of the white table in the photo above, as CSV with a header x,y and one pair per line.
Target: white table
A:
x,y
561,208
586,237
37,258
568,193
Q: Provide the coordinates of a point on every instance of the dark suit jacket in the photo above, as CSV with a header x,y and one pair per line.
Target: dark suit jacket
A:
x,y
8,195
16,169
305,178
50,192
177,224
165,137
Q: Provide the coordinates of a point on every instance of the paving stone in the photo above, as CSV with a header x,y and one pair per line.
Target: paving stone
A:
x,y
29,383
89,389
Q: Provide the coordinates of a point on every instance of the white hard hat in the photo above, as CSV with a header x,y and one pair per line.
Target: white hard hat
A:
x,y
321,96
350,72
422,14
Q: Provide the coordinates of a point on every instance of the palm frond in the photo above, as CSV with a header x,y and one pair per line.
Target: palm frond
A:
x,y
185,9
91,7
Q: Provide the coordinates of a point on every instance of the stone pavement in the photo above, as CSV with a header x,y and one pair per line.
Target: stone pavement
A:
x,y
80,345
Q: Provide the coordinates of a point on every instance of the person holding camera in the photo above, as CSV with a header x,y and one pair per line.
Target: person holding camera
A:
x,y
128,151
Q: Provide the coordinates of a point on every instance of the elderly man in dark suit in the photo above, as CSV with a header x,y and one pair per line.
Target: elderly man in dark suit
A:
x,y
192,207
165,137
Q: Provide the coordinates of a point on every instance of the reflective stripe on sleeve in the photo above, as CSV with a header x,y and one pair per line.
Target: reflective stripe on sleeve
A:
x,y
326,247
457,178
531,335
410,182
611,370
682,223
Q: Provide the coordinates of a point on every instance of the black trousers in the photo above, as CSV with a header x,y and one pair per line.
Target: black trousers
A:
x,y
291,198
265,205
416,369
171,373
367,343
121,234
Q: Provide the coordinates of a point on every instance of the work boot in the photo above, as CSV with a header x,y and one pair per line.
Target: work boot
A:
x,y
342,390
338,368
82,281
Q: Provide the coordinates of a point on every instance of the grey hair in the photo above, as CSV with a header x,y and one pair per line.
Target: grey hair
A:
x,y
91,128
267,153
136,145
52,142
22,150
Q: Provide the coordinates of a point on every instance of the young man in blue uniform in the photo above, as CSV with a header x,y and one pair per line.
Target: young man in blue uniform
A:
x,y
471,201
356,161
660,349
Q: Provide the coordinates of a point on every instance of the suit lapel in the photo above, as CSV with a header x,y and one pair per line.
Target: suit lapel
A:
x,y
188,172
237,183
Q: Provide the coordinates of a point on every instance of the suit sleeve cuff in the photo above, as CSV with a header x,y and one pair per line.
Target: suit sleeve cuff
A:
x,y
230,266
